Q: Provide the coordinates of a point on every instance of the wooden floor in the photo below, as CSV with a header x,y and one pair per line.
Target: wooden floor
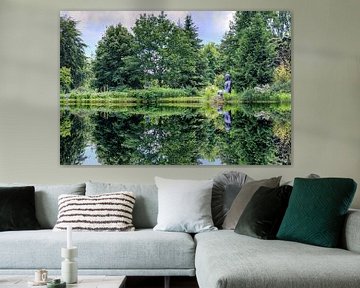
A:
x,y
158,282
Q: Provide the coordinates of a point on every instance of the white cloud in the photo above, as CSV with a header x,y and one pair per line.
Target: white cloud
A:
x,y
211,24
106,18
222,22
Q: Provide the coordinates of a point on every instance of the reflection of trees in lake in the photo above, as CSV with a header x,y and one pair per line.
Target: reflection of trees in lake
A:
x,y
116,137
282,135
250,141
183,136
124,138
259,135
72,138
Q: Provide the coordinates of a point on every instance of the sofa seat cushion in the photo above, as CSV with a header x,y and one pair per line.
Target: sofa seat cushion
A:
x,y
142,249
226,259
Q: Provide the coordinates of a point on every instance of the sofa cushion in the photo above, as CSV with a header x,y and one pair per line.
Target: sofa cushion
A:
x,y
146,205
17,208
243,198
225,259
225,189
184,205
317,209
263,215
350,239
142,249
46,200
105,212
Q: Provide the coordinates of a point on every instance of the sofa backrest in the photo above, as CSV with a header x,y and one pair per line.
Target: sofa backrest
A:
x,y
146,203
46,200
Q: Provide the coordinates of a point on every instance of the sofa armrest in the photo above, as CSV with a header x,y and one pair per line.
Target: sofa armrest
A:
x,y
351,234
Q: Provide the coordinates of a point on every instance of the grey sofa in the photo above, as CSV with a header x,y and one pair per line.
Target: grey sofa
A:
x,y
226,259
218,259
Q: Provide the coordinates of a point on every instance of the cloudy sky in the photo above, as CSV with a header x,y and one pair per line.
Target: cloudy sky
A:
x,y
92,24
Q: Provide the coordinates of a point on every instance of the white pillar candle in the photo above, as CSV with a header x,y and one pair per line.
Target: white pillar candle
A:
x,y
69,237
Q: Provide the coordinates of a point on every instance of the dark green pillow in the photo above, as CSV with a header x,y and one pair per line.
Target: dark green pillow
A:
x,y
316,211
264,212
17,208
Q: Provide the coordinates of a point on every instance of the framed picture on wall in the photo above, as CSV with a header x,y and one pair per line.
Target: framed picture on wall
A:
x,y
175,88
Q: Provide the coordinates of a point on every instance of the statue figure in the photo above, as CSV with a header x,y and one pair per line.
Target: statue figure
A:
x,y
227,120
227,85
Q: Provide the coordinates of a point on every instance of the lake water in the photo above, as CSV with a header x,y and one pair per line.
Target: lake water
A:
x,y
176,134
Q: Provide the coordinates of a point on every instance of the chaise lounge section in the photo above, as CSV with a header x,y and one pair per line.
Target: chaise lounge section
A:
x,y
225,259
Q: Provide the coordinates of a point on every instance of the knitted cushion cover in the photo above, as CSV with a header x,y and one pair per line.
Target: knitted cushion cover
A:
x,y
316,211
105,212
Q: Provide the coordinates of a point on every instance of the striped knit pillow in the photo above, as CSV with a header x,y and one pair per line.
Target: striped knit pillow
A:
x,y
105,212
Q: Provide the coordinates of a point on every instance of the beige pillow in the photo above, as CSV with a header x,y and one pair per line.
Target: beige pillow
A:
x,y
243,198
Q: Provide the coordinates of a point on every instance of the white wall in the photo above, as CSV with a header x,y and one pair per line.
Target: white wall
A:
x,y
326,97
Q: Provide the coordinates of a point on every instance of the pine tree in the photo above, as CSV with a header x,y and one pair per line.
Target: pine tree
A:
x,y
72,53
196,64
248,53
191,32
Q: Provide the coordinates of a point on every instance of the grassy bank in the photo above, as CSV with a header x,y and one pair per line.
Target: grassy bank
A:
x,y
169,95
136,95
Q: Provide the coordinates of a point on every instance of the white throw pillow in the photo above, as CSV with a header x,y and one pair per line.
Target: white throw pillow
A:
x,y
184,205
105,212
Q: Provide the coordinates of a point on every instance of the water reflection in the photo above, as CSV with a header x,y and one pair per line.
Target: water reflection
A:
x,y
172,135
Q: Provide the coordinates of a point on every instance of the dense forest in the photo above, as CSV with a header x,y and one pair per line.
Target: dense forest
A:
x,y
159,58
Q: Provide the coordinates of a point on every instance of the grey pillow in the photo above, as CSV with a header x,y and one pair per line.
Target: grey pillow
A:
x,y
46,200
225,189
146,204
242,199
184,205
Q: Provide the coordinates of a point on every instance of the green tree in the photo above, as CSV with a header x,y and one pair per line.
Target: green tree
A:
x,y
210,52
153,35
115,65
179,61
65,79
231,40
168,54
195,63
89,75
252,54
72,54
283,51
280,23
191,32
